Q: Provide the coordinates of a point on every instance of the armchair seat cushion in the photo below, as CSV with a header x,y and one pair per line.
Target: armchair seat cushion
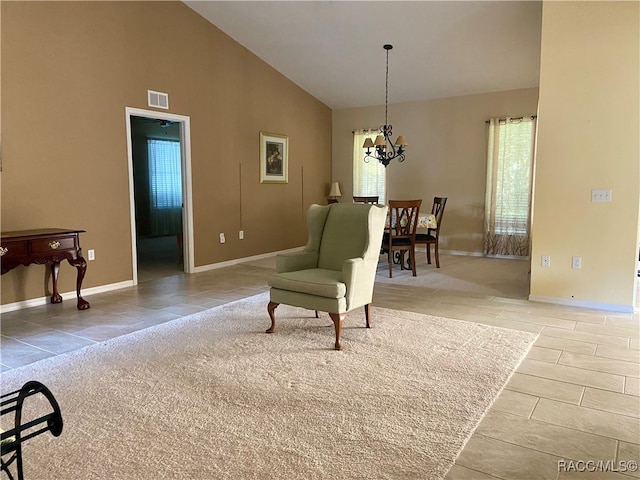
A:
x,y
313,281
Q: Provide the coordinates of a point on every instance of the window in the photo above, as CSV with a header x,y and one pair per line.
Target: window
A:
x,y
369,176
165,187
165,174
509,180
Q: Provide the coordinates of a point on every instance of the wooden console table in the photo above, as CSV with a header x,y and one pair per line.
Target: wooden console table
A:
x,y
45,246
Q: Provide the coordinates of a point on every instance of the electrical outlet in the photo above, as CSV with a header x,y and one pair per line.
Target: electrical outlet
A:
x,y
576,262
546,261
91,254
222,239
241,234
601,195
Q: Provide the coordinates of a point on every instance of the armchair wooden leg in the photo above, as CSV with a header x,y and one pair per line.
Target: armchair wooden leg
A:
x,y
337,322
366,314
271,309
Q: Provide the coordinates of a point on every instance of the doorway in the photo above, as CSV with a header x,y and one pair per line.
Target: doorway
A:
x,y
160,194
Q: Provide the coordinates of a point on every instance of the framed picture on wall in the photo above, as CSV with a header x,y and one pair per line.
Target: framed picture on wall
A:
x,y
274,158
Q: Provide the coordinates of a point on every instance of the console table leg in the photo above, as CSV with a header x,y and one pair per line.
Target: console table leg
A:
x,y
55,269
81,264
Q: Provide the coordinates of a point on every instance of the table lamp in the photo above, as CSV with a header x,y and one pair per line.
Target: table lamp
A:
x,y
334,193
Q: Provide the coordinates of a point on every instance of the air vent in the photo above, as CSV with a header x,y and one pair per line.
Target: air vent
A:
x,y
158,99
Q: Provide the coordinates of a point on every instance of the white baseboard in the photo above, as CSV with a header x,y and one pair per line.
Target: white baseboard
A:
x,y
68,296
10,307
480,254
462,253
34,302
580,303
228,263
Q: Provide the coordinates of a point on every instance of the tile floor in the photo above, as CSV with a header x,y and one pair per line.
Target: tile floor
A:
x,y
572,402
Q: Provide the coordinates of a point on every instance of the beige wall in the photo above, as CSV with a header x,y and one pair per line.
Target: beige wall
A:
x,y
446,155
588,139
69,71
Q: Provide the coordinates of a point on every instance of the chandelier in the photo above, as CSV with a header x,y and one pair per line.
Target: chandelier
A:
x,y
384,149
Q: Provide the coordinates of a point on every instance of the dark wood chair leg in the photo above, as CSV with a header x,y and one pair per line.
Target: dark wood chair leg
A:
x,y
437,256
428,253
317,316
366,314
337,322
271,309
390,260
412,259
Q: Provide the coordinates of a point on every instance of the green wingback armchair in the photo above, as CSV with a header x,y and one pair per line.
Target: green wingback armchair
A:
x,y
336,270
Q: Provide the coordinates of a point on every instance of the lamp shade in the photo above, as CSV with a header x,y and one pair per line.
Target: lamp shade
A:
x,y
401,141
335,190
379,141
368,143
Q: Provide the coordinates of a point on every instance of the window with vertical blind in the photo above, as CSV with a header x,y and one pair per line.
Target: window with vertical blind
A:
x,y
165,174
509,186
165,186
368,176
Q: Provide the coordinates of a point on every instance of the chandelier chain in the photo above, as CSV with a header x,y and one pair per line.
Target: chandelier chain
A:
x,y
386,92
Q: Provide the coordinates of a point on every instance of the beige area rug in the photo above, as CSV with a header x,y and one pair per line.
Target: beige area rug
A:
x,y
211,396
498,277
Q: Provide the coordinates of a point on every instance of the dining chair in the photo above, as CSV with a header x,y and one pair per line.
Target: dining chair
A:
x,y
401,237
432,237
365,199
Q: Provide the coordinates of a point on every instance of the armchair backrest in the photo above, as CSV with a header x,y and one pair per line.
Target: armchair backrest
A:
x,y
316,218
345,230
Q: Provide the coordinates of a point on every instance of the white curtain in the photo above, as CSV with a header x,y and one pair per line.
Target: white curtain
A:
x,y
369,177
165,186
508,191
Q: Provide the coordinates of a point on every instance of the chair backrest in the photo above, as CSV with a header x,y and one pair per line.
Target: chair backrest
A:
x,y
438,210
365,199
404,218
351,230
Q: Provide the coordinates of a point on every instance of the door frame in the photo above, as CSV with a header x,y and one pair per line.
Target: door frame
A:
x,y
187,197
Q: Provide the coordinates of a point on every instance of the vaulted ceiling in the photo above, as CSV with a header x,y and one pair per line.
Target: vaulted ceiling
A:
x,y
333,49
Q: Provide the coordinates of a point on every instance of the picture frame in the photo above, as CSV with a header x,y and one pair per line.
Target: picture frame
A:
x,y
274,158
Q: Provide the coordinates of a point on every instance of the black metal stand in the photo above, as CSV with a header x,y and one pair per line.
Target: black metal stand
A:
x,y
11,440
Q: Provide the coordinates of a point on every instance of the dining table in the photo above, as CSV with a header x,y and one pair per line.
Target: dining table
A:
x,y
425,220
